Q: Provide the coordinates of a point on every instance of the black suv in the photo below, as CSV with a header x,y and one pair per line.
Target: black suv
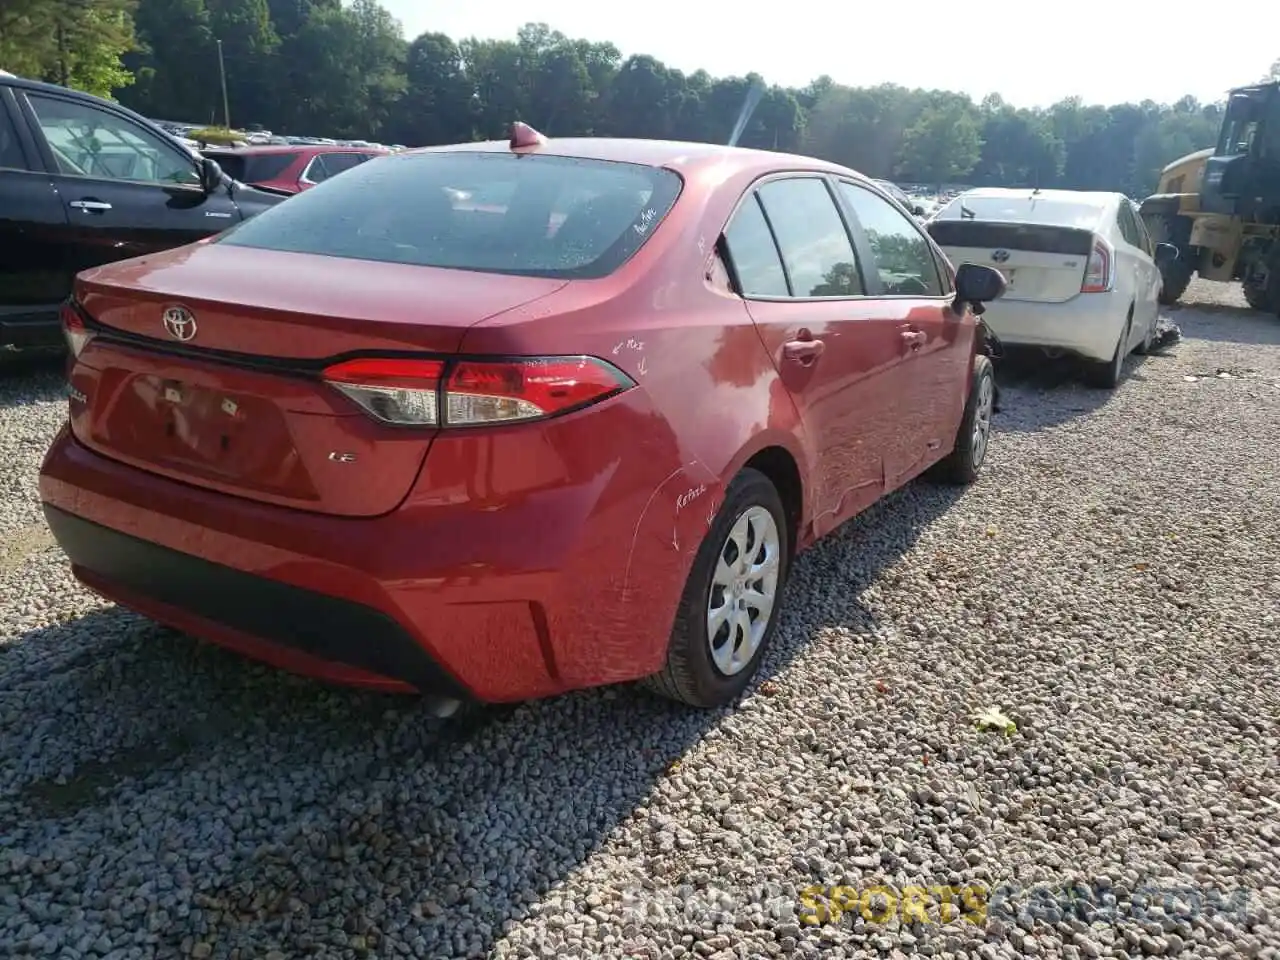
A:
x,y
84,181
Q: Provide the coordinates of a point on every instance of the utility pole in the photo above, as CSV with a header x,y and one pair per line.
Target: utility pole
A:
x,y
222,72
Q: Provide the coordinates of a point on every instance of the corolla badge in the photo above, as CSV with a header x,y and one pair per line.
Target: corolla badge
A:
x,y
1000,256
179,323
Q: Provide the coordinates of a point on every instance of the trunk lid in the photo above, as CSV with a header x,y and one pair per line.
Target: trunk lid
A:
x,y
241,406
1040,262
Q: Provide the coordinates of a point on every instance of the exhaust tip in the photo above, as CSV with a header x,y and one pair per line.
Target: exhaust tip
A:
x,y
442,706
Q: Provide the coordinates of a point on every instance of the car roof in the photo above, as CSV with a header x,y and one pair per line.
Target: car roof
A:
x,y
1097,199
1022,201
273,148
38,86
674,154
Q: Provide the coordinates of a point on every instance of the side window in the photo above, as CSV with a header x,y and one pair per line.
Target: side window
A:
x,y
1143,237
10,149
89,142
903,257
1128,228
754,255
335,163
316,171
812,237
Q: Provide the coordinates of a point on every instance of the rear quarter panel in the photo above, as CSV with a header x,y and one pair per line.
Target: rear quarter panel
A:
x,y
707,399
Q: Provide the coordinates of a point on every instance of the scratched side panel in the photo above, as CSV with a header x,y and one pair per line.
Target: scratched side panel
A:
x,y
710,398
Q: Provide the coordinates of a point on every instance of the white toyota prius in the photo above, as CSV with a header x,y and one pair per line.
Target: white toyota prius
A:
x,y
1082,273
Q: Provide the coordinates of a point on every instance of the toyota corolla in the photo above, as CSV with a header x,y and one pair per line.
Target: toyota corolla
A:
x,y
570,433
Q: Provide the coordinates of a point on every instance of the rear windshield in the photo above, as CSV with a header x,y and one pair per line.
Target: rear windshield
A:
x,y
530,215
1023,210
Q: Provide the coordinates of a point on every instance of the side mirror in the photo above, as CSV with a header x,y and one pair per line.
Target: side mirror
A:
x,y
917,210
210,175
1166,253
977,284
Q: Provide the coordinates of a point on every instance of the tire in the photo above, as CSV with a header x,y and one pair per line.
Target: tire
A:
x,y
1177,274
973,439
1264,296
1149,340
692,674
1108,374
1256,296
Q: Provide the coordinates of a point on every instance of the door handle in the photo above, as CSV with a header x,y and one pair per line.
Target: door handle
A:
x,y
90,206
914,338
803,351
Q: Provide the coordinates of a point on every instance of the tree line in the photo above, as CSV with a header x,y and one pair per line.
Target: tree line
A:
x,y
346,70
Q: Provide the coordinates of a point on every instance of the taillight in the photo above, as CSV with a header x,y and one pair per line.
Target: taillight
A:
x,y
475,392
74,329
395,391
1097,275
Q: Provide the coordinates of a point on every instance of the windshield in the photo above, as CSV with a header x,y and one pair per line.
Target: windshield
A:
x,y
1239,127
1022,209
531,215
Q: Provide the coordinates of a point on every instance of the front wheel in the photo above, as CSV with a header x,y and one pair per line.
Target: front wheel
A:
x,y
964,463
729,609
1175,274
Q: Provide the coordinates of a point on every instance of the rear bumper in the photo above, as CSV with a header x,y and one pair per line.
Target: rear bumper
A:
x,y
1088,325
37,330
467,590
279,622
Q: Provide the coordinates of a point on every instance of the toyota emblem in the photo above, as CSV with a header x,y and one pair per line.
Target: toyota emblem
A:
x,y
1000,256
179,323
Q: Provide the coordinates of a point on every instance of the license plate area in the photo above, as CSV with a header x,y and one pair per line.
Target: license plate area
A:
x,y
200,431
198,421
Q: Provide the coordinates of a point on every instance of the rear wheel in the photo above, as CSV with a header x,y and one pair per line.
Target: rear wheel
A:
x,y
964,463
1262,287
1108,374
1255,294
1148,341
729,609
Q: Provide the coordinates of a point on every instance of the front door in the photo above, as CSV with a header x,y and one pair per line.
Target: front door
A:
x,y
32,224
794,260
903,276
126,190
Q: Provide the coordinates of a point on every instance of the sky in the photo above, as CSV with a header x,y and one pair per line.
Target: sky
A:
x,y
1126,50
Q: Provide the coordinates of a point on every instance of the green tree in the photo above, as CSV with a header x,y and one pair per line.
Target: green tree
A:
x,y
176,65
941,146
76,43
343,68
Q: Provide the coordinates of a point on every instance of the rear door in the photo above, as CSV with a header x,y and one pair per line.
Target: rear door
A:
x,y
126,189
794,262
1146,275
33,275
931,385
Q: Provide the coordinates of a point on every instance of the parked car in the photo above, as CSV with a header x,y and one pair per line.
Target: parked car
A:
x,y
901,196
1081,270
84,182
290,169
571,436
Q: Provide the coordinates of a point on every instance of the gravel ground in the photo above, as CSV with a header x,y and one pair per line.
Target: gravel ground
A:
x,y
1111,583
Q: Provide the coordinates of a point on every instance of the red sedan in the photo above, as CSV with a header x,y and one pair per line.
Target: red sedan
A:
x,y
499,420
289,169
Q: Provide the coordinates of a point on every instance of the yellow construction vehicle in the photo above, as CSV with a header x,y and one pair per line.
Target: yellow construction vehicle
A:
x,y
1221,206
